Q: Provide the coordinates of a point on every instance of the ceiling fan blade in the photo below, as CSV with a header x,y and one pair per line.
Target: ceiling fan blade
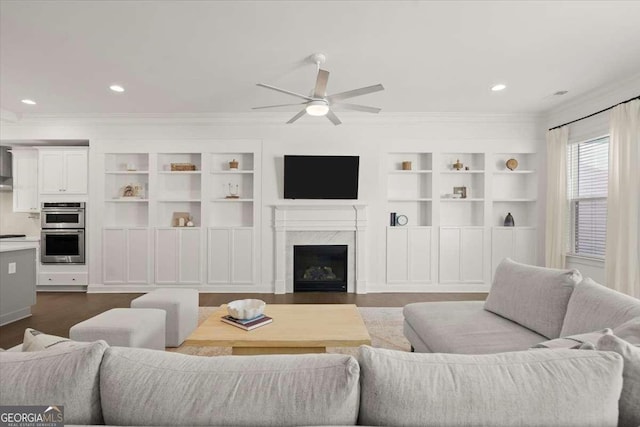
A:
x,y
297,116
355,92
275,106
334,119
321,84
285,91
356,107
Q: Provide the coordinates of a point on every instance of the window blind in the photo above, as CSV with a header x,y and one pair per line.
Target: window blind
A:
x,y
588,171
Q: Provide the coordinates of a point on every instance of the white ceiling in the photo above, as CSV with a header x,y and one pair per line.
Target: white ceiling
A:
x,y
207,56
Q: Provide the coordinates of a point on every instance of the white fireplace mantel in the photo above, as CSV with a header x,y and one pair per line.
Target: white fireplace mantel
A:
x,y
320,217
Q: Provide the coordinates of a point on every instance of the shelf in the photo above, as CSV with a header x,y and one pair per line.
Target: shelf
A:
x,y
127,172
132,200
229,172
463,172
513,172
179,200
402,172
231,200
180,172
410,200
513,200
527,227
461,200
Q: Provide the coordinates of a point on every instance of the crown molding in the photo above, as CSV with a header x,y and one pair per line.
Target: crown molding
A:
x,y
595,100
270,119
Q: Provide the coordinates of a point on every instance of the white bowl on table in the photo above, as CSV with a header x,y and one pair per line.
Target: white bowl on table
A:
x,y
246,308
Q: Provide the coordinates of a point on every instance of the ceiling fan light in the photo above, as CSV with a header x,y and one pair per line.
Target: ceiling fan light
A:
x,y
317,108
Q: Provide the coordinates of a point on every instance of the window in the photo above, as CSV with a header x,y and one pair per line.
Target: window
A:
x,y
588,169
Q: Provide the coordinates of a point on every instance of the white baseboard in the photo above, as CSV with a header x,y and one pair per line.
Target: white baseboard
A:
x,y
99,288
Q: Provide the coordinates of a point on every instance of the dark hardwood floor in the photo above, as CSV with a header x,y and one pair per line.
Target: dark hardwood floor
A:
x,y
55,313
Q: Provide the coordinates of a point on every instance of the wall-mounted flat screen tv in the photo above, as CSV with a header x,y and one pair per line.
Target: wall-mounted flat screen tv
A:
x,y
321,177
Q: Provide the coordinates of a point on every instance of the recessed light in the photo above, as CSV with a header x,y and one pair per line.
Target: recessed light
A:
x,y
29,102
561,92
498,87
116,88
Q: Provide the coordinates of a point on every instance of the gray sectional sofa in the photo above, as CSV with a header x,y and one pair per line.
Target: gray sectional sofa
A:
x,y
527,305
138,387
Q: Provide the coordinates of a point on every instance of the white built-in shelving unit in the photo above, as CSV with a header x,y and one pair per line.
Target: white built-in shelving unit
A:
x,y
466,234
141,243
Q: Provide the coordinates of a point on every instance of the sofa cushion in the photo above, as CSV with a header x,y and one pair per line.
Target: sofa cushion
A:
x,y
535,297
177,389
464,327
528,388
629,331
630,398
65,376
593,306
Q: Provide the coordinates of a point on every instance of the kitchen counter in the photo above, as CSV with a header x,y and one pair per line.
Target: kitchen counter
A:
x,y
7,245
21,239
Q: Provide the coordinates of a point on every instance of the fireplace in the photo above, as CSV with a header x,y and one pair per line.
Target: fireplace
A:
x,y
320,268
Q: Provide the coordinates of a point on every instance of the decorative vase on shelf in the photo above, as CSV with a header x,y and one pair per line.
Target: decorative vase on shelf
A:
x,y
457,165
508,220
233,164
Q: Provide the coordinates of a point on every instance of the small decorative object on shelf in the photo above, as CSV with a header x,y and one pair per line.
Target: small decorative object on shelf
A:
x,y
460,190
406,166
128,191
512,164
402,220
131,167
466,168
190,222
392,219
233,164
180,219
509,221
138,190
457,165
182,167
233,194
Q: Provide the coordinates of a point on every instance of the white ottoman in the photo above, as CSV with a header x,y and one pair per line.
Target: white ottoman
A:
x,y
181,306
124,327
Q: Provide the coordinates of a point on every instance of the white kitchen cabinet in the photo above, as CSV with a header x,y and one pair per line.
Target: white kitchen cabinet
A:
x,y
461,254
63,171
231,257
178,254
517,243
408,254
125,255
25,180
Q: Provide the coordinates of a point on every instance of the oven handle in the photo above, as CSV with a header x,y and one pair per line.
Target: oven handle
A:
x,y
63,231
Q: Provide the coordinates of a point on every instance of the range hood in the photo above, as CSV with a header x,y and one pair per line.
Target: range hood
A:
x,y
6,175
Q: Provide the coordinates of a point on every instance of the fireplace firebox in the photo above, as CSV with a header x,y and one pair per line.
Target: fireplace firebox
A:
x,y
320,268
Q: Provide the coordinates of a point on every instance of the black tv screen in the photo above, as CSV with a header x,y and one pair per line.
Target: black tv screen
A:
x,y
321,177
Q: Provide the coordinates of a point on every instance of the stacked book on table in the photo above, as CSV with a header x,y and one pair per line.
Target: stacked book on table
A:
x,y
247,324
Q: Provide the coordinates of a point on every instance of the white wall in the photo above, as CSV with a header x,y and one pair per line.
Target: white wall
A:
x,y
361,135
16,222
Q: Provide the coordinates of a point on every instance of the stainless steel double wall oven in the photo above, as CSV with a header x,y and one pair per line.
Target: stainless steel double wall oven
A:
x,y
62,236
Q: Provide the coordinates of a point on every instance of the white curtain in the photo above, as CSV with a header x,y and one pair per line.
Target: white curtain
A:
x,y
555,230
622,259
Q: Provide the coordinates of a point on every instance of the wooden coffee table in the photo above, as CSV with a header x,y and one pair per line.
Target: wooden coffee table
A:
x,y
296,328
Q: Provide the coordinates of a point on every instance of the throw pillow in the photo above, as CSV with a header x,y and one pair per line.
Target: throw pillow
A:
x,y
575,341
629,331
629,404
534,297
36,341
550,388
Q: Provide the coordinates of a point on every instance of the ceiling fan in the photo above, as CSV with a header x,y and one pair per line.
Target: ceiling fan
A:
x,y
319,103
